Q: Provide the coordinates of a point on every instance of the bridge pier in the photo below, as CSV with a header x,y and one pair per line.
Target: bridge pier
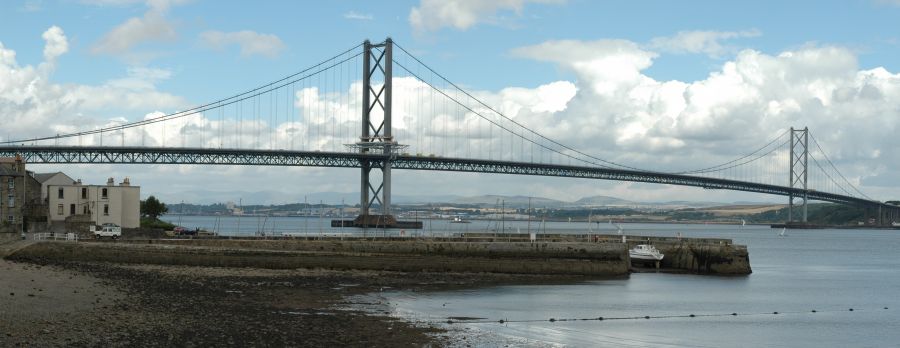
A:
x,y
790,208
799,158
376,138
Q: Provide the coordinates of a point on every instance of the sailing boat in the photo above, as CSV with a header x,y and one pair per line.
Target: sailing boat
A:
x,y
783,229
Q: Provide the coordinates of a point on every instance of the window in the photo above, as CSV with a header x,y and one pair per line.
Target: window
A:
x,y
59,193
71,209
103,193
11,219
85,210
12,201
84,193
59,209
11,183
106,209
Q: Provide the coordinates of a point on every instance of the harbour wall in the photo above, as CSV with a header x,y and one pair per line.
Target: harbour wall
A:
x,y
572,259
721,259
592,258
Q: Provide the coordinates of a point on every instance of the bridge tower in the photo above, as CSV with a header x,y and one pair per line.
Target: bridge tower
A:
x,y
376,139
799,156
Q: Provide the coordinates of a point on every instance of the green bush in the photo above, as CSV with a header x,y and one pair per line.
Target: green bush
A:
x,y
156,223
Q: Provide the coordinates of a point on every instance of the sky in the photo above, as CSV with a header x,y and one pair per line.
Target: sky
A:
x,y
655,84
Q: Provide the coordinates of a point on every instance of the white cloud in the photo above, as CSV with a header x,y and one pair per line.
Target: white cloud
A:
x,y
358,16
705,42
32,105
607,64
57,44
153,26
621,113
432,15
250,42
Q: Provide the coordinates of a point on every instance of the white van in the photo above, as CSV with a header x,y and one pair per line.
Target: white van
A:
x,y
107,230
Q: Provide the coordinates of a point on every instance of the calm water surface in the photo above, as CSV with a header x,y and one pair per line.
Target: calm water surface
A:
x,y
830,271
826,270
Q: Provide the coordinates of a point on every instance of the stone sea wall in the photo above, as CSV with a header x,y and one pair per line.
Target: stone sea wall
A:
x,y
720,259
562,258
520,258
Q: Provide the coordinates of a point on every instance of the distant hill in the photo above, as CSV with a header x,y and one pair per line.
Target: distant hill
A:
x,y
485,201
436,199
259,197
686,204
510,201
599,201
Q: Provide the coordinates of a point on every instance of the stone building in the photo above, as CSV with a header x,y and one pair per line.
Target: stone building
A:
x,y
95,204
19,196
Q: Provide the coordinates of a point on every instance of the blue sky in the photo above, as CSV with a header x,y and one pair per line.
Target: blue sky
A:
x,y
312,32
190,52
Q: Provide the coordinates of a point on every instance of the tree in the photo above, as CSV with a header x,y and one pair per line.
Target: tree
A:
x,y
153,208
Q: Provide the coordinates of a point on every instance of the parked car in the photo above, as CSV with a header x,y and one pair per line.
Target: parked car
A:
x,y
183,231
107,230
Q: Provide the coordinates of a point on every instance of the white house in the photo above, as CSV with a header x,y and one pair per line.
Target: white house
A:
x,y
47,179
118,204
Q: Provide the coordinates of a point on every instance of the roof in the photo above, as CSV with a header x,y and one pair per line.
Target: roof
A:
x,y
43,177
7,171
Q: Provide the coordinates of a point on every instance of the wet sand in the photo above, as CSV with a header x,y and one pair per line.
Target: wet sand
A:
x,y
47,303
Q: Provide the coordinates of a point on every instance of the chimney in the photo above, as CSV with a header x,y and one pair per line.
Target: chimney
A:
x,y
125,182
110,182
78,182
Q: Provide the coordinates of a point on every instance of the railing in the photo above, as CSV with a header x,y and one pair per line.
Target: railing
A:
x,y
69,237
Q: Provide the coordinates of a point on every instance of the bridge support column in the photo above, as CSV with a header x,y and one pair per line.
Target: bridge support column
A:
x,y
799,156
790,208
376,139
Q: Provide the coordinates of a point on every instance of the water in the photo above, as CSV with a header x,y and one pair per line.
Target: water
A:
x,y
830,271
273,226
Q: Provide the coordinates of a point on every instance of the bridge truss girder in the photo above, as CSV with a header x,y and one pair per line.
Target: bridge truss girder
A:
x,y
202,156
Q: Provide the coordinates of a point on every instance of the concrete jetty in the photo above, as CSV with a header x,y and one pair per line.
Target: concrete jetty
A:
x,y
592,255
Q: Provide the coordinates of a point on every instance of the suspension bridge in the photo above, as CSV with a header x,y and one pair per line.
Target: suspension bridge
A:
x,y
377,108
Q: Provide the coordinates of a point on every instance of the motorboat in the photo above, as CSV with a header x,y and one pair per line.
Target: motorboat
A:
x,y
645,252
459,220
